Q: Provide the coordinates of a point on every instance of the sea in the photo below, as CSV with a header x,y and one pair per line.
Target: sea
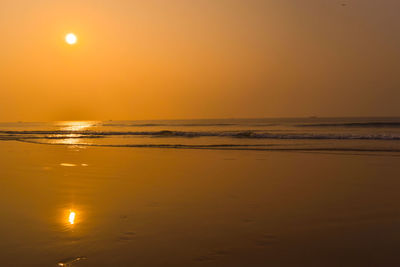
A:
x,y
361,135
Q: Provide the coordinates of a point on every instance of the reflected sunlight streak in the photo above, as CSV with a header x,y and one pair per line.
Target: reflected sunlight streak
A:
x,y
71,217
72,126
68,140
75,125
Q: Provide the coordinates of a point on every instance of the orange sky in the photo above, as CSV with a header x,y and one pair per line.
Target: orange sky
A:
x,y
160,59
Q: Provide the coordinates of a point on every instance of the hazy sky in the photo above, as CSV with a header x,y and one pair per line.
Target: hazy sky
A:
x,y
159,59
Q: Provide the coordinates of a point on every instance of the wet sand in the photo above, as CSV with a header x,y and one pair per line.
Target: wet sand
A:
x,y
165,207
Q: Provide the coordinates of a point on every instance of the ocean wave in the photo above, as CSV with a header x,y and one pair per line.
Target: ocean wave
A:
x,y
168,125
355,125
252,134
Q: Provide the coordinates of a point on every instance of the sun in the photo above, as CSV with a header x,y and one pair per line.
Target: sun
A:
x,y
71,39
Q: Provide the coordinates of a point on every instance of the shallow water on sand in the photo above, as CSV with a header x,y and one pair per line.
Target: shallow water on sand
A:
x,y
163,207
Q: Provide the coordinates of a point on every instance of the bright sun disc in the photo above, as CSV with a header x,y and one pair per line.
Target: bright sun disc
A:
x,y
71,38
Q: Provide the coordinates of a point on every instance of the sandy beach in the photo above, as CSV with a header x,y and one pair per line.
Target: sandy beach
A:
x,y
161,207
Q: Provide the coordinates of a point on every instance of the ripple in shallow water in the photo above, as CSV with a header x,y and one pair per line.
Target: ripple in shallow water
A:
x,y
70,261
68,165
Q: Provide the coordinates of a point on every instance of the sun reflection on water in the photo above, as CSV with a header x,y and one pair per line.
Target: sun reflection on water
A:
x,y
75,126
71,217
69,137
68,140
71,220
